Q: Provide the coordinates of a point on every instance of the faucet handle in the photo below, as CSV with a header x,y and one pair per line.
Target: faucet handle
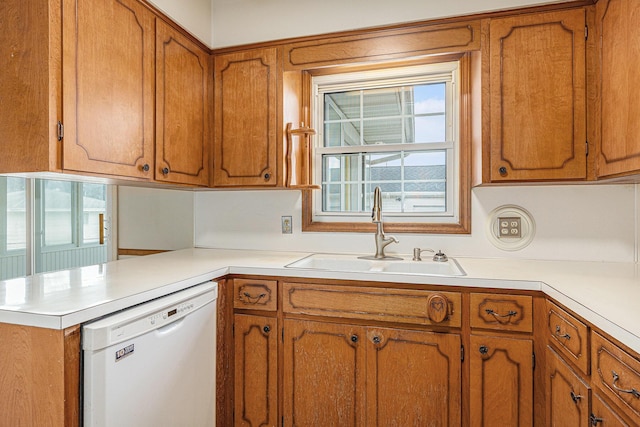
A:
x,y
417,252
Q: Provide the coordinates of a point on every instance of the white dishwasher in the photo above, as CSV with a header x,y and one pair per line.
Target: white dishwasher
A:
x,y
153,364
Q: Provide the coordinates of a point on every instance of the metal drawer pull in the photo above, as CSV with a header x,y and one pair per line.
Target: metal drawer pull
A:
x,y
575,397
594,420
633,391
251,299
494,314
559,335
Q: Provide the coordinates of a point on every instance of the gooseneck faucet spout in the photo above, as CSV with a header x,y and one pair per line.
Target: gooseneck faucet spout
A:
x,y
381,240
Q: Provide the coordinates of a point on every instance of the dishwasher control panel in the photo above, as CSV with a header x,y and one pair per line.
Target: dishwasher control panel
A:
x,y
156,314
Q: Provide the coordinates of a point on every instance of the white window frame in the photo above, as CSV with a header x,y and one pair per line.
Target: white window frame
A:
x,y
448,72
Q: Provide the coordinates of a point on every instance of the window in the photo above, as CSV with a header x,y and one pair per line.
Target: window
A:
x,y
399,129
51,225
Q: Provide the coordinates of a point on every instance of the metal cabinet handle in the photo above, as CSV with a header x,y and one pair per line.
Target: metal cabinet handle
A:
x,y
251,299
483,349
354,338
633,391
495,314
593,420
561,335
575,397
376,340
503,171
266,329
145,167
165,171
267,176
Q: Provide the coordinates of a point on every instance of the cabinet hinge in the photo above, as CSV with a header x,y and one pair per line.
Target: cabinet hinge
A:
x,y
587,149
282,335
60,131
533,360
586,32
282,421
462,353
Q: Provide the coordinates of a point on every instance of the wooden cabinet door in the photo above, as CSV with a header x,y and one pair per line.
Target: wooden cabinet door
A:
x,y
324,374
501,381
245,100
413,378
567,395
618,56
603,415
537,96
108,87
256,371
183,128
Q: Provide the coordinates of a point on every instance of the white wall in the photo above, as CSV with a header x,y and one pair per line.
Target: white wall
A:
x,y
152,218
238,22
573,222
193,15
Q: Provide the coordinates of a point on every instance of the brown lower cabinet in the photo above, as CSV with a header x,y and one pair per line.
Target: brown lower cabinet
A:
x,y
347,375
501,381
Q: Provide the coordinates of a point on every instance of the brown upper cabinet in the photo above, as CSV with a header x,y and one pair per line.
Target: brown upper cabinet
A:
x,y
245,119
183,109
616,84
537,117
80,94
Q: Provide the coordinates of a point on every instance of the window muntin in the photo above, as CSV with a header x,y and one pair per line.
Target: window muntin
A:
x,y
396,129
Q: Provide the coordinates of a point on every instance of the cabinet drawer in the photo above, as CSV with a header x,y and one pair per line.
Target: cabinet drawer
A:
x,y
502,312
617,374
392,305
255,294
569,335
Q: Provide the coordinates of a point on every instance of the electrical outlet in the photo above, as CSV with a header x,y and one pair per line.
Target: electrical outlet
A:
x,y
287,225
509,227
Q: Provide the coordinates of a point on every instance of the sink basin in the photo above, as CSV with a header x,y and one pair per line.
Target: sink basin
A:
x,y
333,263
432,268
341,262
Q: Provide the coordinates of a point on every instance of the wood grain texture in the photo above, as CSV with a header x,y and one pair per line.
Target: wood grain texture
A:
x,y
183,107
538,106
567,394
256,374
109,81
395,305
30,85
246,102
618,54
569,335
502,312
501,391
32,377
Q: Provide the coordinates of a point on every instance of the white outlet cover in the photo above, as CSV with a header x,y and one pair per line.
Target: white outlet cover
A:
x,y
527,224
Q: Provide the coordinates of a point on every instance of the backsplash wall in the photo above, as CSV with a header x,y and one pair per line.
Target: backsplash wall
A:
x,y
573,222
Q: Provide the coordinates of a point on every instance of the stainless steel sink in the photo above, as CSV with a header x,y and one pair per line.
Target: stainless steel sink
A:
x,y
351,263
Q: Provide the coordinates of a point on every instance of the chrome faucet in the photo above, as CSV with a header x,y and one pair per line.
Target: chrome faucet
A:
x,y
376,217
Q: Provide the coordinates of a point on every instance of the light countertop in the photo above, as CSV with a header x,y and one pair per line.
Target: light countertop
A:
x,y
605,294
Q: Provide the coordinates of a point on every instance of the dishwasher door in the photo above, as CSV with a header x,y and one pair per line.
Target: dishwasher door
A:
x,y
154,364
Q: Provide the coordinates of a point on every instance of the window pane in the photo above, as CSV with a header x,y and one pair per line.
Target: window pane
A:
x,y
94,203
383,131
428,99
58,208
342,105
341,134
426,129
16,229
382,102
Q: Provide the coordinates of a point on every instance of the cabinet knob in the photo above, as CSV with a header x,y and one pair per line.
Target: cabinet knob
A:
x,y
165,171
503,171
145,167
354,338
266,329
376,340
575,397
483,349
267,176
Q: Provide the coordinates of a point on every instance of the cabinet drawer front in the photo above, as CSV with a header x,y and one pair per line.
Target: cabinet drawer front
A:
x,y
502,312
392,305
617,374
569,335
255,294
